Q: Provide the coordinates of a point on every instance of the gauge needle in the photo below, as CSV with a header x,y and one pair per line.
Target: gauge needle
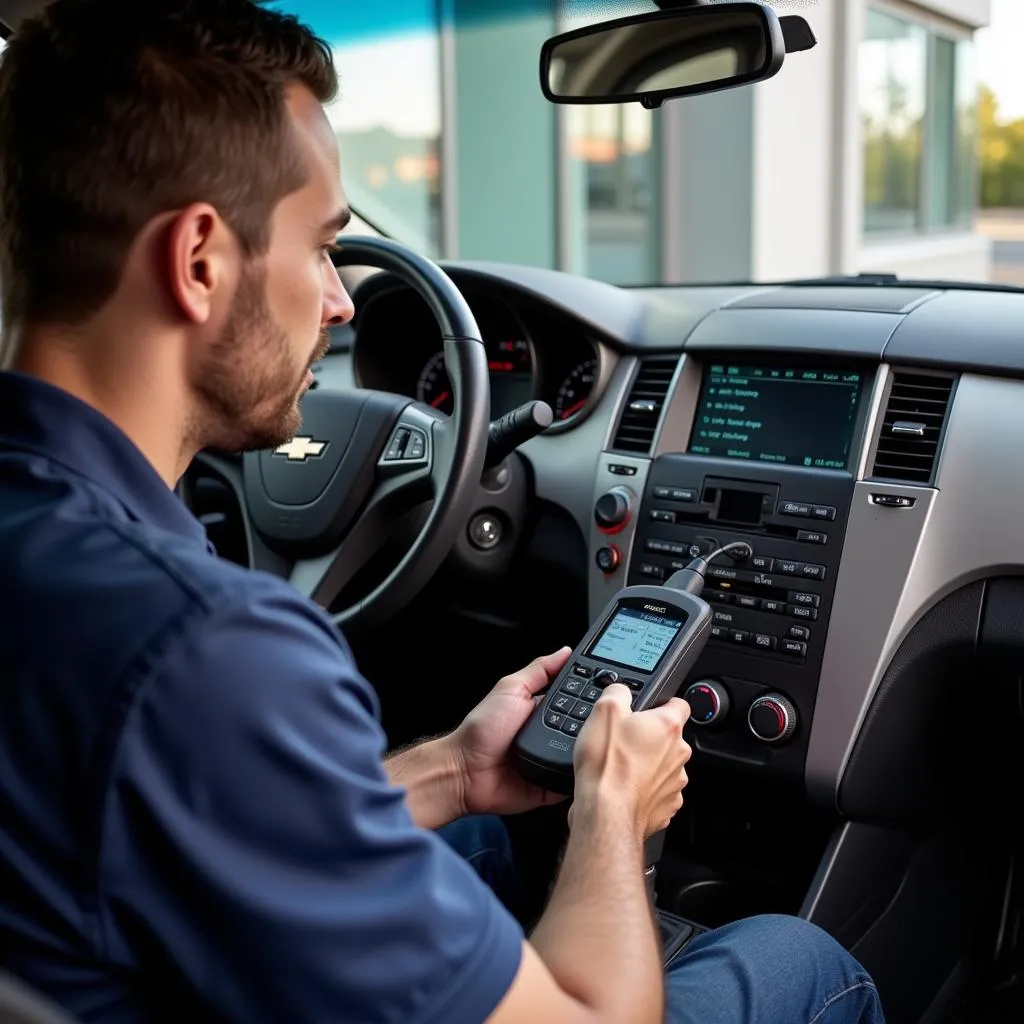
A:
x,y
573,409
440,400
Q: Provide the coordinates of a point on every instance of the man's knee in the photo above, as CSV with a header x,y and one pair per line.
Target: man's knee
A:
x,y
770,969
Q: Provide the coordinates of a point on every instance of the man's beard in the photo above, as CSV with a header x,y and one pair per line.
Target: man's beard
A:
x,y
247,385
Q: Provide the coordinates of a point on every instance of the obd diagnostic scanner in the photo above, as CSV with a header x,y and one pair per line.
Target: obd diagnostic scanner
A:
x,y
647,638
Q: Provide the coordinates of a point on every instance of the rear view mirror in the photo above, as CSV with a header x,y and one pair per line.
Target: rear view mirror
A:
x,y
652,57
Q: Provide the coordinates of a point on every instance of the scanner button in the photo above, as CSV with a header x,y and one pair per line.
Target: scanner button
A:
x,y
634,684
562,703
581,711
574,685
582,670
571,727
605,677
592,693
554,719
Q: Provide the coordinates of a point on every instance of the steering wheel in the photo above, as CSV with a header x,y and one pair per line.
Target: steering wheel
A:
x,y
319,507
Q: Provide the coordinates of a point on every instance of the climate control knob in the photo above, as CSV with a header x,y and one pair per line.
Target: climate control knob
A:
x,y
611,513
772,718
709,702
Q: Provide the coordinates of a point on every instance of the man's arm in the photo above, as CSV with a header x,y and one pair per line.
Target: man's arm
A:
x,y
431,774
595,957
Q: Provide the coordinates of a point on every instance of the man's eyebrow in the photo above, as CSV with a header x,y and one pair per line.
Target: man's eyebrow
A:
x,y
339,221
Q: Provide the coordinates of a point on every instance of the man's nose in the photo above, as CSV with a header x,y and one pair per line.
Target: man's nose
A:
x,y
338,306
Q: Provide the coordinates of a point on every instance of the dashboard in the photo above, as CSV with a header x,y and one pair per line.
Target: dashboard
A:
x,y
532,353
847,432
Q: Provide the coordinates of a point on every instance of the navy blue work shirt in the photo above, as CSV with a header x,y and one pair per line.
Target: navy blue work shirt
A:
x,y
195,823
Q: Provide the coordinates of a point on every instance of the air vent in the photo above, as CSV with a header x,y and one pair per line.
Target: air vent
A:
x,y
639,422
908,445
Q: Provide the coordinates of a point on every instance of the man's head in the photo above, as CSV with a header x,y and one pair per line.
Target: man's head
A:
x,y
167,172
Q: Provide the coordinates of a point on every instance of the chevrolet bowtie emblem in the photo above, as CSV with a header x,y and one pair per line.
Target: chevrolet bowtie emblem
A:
x,y
299,449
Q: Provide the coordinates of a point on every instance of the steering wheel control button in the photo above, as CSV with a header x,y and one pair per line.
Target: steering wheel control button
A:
x,y
772,718
605,677
396,449
485,532
795,508
709,702
612,511
416,446
609,559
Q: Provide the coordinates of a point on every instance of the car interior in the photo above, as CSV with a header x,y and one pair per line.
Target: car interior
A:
x,y
461,508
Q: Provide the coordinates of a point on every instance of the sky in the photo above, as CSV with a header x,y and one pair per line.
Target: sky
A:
x,y
999,59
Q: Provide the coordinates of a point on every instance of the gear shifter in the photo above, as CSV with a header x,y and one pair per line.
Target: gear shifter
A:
x,y
516,428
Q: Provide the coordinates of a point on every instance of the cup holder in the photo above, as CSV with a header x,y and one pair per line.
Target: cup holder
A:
x,y
716,901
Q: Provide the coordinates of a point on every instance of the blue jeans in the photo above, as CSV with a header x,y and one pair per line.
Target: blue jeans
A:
x,y
764,970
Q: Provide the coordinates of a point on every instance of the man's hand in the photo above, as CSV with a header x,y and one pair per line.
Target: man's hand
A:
x,y
490,783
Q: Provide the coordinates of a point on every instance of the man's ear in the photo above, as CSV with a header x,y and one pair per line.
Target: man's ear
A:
x,y
202,256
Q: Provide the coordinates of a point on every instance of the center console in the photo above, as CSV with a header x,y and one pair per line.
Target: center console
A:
x,y
768,456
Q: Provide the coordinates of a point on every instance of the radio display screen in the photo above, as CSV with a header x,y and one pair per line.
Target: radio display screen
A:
x,y
797,417
636,639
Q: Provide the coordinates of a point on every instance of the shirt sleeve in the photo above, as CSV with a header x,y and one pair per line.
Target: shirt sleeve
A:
x,y
254,849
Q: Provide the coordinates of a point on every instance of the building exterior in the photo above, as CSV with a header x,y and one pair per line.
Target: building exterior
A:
x,y
858,156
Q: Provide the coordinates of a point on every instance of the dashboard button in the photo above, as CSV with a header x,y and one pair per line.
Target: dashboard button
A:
x,y
661,547
723,618
721,572
801,611
893,500
662,492
765,642
620,470
812,536
823,512
684,494
794,648
812,572
794,508
739,636
798,633
655,572
798,597
789,568
746,601
719,597
608,559
762,580
719,633
775,607
660,515
762,563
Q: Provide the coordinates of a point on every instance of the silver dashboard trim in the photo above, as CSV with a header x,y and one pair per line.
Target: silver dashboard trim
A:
x,y
898,563
683,397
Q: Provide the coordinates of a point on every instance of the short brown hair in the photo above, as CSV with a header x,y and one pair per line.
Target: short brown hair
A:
x,y
115,111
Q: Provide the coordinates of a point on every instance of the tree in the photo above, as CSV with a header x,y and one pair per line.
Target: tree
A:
x,y
1001,155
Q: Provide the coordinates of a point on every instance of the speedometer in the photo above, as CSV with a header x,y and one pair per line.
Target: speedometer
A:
x,y
575,390
433,387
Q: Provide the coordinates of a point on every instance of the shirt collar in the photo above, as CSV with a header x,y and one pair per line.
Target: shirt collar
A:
x,y
40,418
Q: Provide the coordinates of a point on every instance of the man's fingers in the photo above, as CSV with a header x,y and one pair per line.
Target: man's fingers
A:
x,y
541,671
617,694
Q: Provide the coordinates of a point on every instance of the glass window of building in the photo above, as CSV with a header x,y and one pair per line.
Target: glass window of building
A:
x,y
918,94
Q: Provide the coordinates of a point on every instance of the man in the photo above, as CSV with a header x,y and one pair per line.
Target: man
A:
x,y
196,820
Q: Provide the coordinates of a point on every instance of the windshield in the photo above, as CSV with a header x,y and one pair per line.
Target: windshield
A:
x,y
448,144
